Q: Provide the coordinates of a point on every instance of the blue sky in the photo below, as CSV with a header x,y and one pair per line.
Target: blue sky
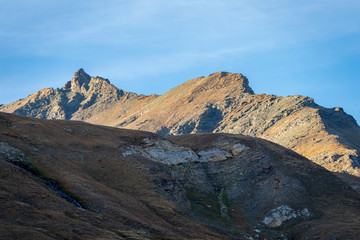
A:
x,y
284,47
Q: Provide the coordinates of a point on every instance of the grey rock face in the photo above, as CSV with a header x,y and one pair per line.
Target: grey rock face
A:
x,y
168,153
79,99
10,153
162,151
238,148
215,154
80,82
277,216
271,190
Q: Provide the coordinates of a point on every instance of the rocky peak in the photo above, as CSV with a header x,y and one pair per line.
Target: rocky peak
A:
x,y
97,78
80,72
85,84
79,83
235,81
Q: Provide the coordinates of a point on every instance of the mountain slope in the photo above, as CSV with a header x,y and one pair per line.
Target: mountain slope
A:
x,y
116,197
79,99
224,102
73,180
220,102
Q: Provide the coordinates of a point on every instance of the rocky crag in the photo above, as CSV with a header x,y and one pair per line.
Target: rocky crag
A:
x,y
78,99
220,102
73,180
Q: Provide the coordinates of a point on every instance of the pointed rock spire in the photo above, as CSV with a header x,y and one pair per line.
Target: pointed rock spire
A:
x,y
79,82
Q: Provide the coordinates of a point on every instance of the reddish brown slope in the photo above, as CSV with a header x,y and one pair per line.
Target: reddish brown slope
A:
x,y
224,102
120,196
136,185
181,104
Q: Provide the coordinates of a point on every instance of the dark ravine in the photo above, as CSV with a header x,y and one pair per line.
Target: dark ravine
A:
x,y
137,185
51,183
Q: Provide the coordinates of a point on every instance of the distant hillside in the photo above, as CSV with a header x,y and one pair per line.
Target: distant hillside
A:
x,y
73,180
80,98
220,102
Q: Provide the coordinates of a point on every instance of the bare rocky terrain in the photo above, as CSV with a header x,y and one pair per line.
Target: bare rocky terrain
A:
x,y
73,180
221,102
79,99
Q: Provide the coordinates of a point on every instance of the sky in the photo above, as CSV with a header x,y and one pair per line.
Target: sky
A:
x,y
284,47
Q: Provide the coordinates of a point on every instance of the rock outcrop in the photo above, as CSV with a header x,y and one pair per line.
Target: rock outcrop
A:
x,y
220,102
79,99
73,180
277,216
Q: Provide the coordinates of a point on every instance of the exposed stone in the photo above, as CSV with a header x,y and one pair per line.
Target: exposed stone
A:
x,y
10,153
162,151
79,99
68,129
238,148
165,152
277,216
215,154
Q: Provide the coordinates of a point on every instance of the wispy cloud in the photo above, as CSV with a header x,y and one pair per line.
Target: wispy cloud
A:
x,y
45,26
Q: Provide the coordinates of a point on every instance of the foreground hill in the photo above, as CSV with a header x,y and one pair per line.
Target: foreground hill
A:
x,y
220,102
73,180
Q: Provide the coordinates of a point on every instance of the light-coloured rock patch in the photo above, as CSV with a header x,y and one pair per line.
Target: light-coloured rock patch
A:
x,y
165,152
10,153
237,148
277,216
162,151
215,154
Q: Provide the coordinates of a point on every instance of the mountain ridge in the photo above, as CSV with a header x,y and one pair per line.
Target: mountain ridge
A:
x,y
220,102
83,93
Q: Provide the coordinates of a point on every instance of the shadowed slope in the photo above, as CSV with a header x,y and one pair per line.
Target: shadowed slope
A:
x,y
126,184
120,196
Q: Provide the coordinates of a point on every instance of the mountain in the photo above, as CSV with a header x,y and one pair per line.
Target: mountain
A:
x,y
221,102
73,180
79,99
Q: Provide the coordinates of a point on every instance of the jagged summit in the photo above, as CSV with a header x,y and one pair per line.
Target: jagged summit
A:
x,y
78,99
235,81
80,71
80,82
